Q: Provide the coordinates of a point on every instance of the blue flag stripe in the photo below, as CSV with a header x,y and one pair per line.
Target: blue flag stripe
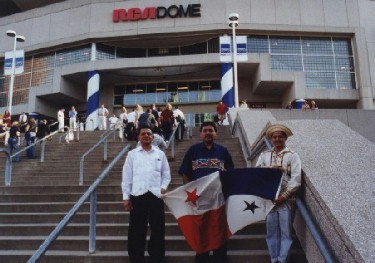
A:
x,y
262,182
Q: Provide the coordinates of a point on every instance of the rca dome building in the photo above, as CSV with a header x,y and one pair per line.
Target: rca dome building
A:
x,y
116,52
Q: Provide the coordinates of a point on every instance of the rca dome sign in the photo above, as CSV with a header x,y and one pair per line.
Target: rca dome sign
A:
x,y
174,11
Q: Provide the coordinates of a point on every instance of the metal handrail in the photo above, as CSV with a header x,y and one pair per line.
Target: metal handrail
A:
x,y
172,141
9,163
82,159
90,192
319,239
8,167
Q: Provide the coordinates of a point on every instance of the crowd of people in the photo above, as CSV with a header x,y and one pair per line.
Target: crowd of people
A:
x,y
306,105
26,127
161,121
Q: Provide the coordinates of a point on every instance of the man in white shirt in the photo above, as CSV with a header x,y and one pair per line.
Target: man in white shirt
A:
x,y
145,178
103,113
130,126
180,119
60,119
113,121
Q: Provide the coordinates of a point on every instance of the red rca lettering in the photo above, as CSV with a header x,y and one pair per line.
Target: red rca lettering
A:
x,y
174,11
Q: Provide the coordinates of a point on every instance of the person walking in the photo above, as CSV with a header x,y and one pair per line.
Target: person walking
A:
x,y
280,219
180,118
13,142
103,113
201,160
221,110
145,178
73,119
167,121
60,119
30,135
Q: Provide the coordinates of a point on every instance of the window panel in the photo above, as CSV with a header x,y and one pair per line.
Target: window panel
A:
x,y
342,47
346,80
199,48
131,52
323,80
285,45
286,62
73,55
257,44
318,63
213,45
104,52
345,64
317,46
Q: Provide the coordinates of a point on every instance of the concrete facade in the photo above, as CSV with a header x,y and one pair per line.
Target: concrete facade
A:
x,y
72,23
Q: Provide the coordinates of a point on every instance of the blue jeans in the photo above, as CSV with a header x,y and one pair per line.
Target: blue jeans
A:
x,y
31,151
13,148
279,232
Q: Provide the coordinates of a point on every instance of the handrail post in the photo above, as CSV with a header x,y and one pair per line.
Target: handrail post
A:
x,y
8,171
81,170
78,125
92,234
42,151
173,141
105,157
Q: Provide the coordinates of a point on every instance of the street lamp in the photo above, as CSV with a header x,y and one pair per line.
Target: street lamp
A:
x,y
233,23
17,38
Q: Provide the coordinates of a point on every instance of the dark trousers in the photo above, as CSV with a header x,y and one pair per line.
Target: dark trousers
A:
x,y
167,128
219,256
180,129
147,208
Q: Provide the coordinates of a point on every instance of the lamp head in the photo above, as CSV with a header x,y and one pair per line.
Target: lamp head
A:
x,y
231,23
11,33
233,17
20,38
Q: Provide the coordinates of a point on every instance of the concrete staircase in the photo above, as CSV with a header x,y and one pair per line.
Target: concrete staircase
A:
x,y
42,193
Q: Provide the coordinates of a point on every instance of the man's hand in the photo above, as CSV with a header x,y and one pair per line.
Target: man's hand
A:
x,y
128,205
163,191
279,200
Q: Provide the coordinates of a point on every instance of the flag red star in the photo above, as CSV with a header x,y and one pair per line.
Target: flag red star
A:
x,y
192,196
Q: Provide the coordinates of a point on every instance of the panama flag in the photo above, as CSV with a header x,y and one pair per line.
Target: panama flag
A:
x,y
211,209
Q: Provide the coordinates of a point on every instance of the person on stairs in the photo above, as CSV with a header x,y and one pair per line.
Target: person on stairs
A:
x,y
280,219
145,178
201,160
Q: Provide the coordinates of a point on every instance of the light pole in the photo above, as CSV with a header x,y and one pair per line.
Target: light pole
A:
x,y
17,38
233,23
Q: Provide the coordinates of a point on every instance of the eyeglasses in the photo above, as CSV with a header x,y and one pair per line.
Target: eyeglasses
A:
x,y
145,133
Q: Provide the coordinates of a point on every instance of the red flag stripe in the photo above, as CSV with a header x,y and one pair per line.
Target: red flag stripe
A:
x,y
207,231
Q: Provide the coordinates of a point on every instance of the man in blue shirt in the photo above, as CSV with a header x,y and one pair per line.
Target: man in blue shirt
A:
x,y
201,160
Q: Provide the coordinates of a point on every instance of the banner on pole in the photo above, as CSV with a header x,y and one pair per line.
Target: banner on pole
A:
x,y
19,65
226,48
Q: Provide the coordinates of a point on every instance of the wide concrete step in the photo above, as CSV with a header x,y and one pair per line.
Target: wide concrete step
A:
x,y
80,217
69,256
119,243
106,229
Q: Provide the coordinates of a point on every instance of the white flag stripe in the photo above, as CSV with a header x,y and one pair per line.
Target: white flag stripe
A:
x,y
241,213
208,190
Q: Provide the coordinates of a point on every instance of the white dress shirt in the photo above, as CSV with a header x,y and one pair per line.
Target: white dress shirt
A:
x,y
131,117
145,171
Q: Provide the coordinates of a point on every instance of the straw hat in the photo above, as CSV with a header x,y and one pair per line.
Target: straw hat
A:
x,y
278,127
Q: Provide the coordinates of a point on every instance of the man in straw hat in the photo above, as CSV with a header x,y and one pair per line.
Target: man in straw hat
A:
x,y
280,219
